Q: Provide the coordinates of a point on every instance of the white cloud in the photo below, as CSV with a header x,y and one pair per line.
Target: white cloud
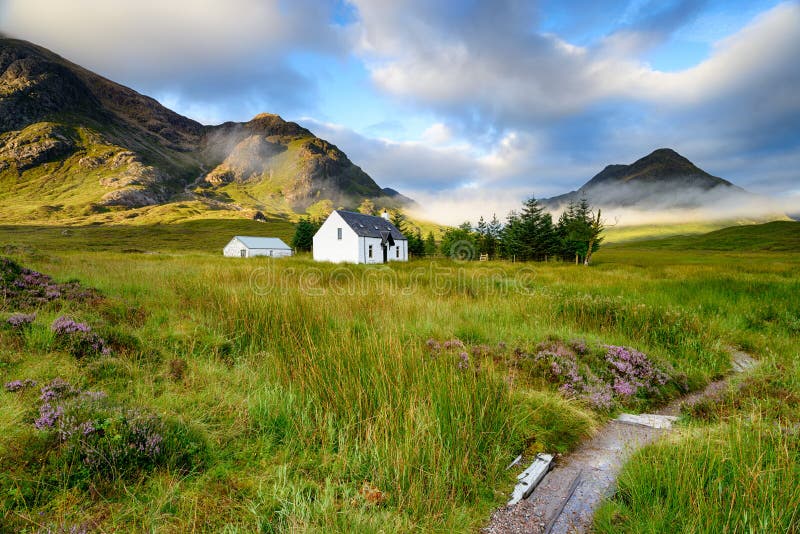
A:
x,y
159,37
517,76
196,52
437,134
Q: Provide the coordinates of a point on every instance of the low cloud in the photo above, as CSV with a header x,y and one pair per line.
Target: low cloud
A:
x,y
466,205
697,205
727,211
405,166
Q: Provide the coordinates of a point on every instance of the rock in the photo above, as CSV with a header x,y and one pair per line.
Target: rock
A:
x,y
34,146
129,198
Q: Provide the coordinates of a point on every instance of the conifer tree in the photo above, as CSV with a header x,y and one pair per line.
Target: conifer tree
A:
x,y
430,244
303,238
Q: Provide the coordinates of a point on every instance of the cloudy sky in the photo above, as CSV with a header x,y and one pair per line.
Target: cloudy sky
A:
x,y
480,101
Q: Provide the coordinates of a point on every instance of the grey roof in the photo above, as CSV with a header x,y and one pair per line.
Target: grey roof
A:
x,y
369,225
262,242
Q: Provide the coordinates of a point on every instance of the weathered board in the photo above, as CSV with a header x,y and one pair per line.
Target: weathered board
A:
x,y
515,462
648,419
530,478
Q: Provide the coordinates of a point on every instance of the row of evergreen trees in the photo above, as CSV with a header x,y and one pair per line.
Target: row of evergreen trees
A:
x,y
527,235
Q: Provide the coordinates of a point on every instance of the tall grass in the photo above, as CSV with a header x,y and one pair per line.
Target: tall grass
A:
x,y
740,476
310,382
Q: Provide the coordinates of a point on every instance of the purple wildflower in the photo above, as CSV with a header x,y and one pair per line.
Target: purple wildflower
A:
x,y
65,326
621,387
152,445
453,343
94,395
52,294
21,320
599,395
633,370
48,416
579,346
145,437
57,389
16,385
568,390
463,360
433,344
79,338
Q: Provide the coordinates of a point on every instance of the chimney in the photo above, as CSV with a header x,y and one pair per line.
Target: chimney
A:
x,y
385,215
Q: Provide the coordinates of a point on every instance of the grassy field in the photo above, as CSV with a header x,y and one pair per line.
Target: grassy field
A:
x,y
291,395
778,236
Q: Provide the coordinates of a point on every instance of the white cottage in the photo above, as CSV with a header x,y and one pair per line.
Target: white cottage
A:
x,y
348,237
246,247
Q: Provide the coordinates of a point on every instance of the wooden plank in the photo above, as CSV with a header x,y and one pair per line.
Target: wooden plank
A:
x,y
648,419
515,462
572,487
530,478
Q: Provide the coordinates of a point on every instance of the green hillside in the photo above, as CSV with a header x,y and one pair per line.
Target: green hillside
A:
x,y
776,236
190,236
76,148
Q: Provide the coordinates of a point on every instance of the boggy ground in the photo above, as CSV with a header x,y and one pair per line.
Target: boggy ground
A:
x,y
294,396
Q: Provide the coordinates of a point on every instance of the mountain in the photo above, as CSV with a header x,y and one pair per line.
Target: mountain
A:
x,y
662,179
75,146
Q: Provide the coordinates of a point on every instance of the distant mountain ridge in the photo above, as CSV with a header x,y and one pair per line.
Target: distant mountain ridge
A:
x,y
662,179
74,145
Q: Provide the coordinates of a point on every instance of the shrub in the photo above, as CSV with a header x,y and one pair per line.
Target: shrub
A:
x,y
633,371
23,288
78,338
109,439
18,385
20,321
619,376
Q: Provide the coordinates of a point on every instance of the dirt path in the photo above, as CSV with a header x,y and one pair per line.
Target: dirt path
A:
x,y
565,500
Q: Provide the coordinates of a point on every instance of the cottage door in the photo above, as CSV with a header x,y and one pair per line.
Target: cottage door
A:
x,y
385,248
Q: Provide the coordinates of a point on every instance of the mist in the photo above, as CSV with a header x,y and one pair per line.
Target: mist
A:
x,y
653,205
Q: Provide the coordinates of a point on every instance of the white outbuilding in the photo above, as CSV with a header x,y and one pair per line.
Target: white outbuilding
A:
x,y
242,246
349,237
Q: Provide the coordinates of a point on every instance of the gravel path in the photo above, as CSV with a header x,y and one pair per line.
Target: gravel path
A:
x,y
565,500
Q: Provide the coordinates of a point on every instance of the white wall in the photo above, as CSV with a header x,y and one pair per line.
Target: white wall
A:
x,y
403,246
234,250
377,251
271,252
352,248
327,246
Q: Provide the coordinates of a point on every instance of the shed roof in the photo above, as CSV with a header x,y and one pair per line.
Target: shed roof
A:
x,y
370,226
262,242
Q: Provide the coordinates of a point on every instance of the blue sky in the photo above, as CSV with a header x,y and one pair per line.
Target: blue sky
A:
x,y
477,103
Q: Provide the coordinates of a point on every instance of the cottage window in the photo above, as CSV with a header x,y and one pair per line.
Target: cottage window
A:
x,y
339,234
243,252
369,251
